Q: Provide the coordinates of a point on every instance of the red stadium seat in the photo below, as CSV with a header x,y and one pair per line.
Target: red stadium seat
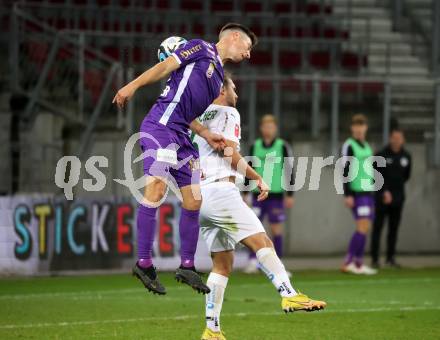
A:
x,y
264,85
137,55
300,32
289,59
348,87
253,6
285,32
94,82
191,5
37,51
291,85
198,29
320,59
60,24
330,32
162,4
350,60
258,30
372,88
282,7
261,58
103,2
124,3
112,52
64,54
222,6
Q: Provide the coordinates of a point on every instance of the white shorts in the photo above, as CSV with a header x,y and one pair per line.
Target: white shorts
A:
x,y
225,219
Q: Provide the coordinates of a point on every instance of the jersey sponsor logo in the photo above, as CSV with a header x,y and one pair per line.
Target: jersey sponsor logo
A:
x,y
187,53
237,130
208,115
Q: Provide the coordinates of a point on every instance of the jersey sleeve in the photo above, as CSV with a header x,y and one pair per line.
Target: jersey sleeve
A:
x,y
229,127
192,51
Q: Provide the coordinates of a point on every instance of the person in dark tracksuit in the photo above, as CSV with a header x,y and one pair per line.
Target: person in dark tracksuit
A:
x,y
390,199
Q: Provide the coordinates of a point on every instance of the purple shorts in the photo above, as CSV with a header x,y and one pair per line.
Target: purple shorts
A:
x,y
169,154
273,207
363,207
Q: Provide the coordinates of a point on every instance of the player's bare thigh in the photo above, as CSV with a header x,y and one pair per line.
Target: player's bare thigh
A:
x,y
363,225
257,241
222,262
191,196
276,229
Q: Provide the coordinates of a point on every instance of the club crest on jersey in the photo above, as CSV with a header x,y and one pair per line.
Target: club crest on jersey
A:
x,y
210,70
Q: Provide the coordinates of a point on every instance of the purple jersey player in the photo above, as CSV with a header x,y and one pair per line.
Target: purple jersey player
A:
x,y
195,74
358,195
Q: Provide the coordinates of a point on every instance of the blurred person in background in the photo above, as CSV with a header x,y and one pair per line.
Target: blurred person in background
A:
x,y
264,148
358,196
390,199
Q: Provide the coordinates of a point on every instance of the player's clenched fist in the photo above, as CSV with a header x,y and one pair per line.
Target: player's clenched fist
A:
x,y
264,190
216,141
124,94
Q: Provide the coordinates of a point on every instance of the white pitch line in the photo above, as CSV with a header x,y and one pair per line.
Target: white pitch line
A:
x,y
192,316
341,282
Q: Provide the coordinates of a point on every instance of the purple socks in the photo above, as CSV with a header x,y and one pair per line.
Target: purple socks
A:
x,y
189,235
278,245
356,249
146,230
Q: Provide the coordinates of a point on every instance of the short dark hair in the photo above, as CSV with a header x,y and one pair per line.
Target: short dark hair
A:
x,y
359,119
244,29
396,129
226,78
268,118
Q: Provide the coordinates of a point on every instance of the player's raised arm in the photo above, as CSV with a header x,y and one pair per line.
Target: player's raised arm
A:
x,y
150,76
238,163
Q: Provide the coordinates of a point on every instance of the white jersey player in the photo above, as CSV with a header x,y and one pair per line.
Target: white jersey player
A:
x,y
226,220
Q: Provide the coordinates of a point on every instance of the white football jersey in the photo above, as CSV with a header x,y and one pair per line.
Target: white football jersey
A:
x,y
224,120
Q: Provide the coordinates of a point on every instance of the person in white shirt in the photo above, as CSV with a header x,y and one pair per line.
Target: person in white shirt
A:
x,y
225,218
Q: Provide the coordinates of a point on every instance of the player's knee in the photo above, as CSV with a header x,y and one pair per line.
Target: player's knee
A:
x,y
155,190
269,242
363,226
277,229
192,204
224,268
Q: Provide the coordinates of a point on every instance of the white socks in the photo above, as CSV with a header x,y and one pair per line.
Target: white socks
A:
x,y
214,300
274,269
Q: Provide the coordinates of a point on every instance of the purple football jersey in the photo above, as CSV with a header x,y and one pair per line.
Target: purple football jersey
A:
x,y
191,88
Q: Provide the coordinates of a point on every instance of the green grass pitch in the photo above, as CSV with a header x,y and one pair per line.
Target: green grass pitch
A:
x,y
396,304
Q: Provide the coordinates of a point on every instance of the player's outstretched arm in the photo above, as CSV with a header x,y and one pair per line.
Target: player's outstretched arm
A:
x,y
216,141
150,76
238,163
